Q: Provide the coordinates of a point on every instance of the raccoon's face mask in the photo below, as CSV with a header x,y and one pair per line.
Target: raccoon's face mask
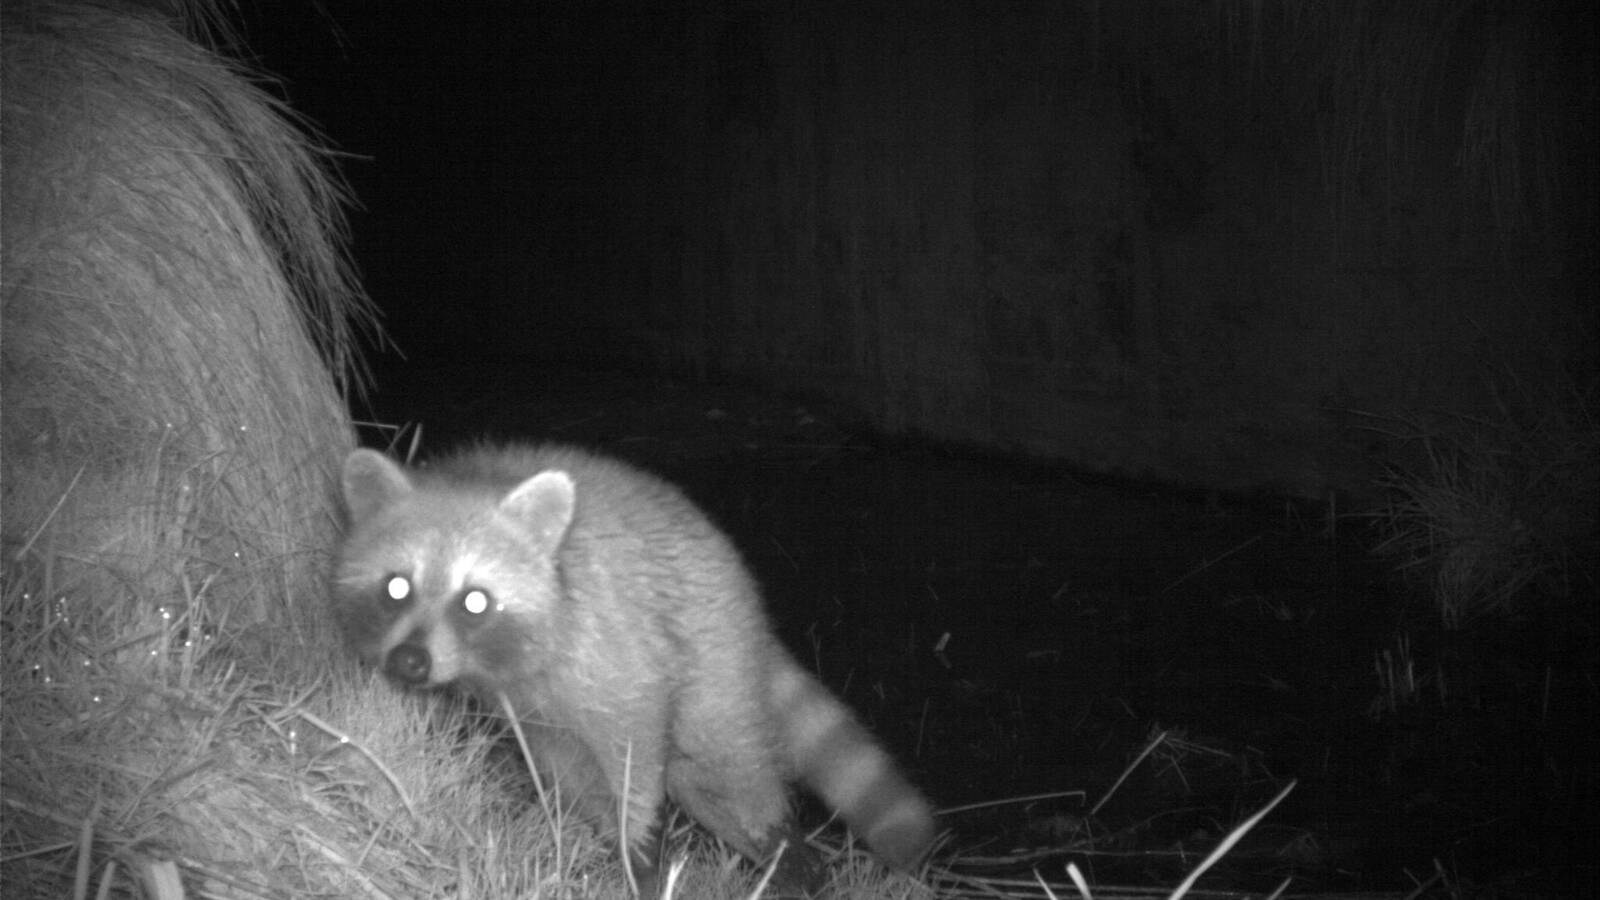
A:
x,y
438,582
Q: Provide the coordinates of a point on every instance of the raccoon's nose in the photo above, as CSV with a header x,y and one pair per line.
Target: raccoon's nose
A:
x,y
408,664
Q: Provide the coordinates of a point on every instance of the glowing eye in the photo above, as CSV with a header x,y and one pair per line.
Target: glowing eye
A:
x,y
397,588
475,602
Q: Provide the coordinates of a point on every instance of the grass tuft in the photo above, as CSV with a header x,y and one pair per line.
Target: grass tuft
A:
x,y
1499,517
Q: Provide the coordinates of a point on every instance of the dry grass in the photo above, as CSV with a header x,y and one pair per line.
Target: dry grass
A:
x,y
179,320
253,787
324,781
1500,517
973,876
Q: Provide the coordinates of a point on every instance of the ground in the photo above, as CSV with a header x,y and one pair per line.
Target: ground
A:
x,y
1013,629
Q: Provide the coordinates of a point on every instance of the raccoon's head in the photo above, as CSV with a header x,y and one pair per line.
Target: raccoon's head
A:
x,y
438,581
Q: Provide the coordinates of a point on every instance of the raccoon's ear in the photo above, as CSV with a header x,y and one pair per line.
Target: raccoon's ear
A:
x,y
370,481
544,504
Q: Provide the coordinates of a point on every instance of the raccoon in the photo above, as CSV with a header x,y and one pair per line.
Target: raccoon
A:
x,y
628,637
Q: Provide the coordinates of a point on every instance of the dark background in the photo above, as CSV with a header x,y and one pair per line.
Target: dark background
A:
x,y
1207,244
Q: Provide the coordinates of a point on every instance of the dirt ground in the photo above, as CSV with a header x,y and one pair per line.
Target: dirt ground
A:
x,y
1012,629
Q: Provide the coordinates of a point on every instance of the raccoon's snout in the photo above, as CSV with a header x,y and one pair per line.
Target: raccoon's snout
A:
x,y
408,664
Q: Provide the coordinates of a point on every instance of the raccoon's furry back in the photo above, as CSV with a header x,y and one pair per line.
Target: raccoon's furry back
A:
x,y
625,631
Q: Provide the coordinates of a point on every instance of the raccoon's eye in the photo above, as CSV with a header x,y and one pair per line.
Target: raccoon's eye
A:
x,y
396,589
475,601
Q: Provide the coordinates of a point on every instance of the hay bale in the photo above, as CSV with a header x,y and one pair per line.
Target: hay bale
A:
x,y
177,335
177,323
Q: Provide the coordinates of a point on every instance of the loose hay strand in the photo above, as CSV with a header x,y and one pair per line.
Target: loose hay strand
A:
x,y
1127,770
80,886
547,803
343,738
1228,842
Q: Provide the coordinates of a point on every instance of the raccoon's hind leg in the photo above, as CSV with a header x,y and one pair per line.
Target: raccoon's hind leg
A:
x,y
633,771
733,782
747,807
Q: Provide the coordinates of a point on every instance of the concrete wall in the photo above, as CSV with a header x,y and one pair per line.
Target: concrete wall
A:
x,y
1123,243
1195,242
